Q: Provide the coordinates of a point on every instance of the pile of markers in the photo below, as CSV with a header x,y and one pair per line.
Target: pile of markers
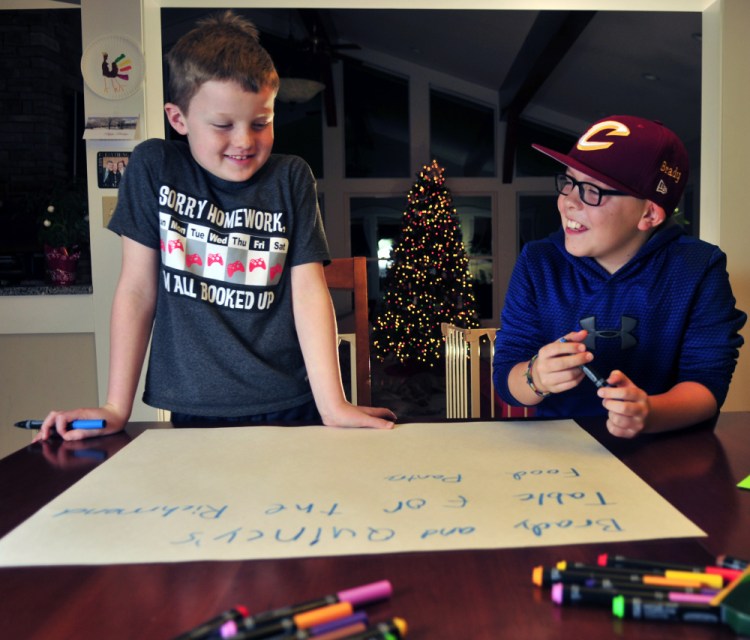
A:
x,y
331,617
652,590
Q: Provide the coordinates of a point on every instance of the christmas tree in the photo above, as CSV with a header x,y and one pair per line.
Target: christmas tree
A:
x,y
428,281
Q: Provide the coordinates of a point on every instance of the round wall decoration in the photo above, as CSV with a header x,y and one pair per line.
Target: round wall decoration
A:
x,y
112,67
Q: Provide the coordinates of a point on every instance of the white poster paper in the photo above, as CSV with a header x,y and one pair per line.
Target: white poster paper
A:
x,y
273,492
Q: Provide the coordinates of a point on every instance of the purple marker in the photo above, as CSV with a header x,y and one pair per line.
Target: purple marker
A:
x,y
356,596
357,618
563,594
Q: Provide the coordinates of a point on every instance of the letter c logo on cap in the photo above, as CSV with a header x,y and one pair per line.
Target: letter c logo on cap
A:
x,y
612,126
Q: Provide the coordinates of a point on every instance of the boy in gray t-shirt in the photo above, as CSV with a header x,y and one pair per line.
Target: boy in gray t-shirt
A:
x,y
223,252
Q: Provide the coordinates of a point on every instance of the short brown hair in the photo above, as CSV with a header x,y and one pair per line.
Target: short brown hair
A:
x,y
223,46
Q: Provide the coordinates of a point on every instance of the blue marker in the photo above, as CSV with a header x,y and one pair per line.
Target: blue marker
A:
x,y
592,375
76,424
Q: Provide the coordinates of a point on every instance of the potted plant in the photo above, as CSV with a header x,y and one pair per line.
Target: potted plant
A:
x,y
64,231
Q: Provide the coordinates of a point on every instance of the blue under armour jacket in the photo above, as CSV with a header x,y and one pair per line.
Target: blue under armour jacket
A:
x,y
667,316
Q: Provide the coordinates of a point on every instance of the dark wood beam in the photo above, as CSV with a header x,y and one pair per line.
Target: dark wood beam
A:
x,y
550,38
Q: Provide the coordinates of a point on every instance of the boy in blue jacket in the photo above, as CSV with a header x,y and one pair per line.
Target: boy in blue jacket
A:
x,y
621,290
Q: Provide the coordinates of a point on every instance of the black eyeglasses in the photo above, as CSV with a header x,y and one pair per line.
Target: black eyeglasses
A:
x,y
589,193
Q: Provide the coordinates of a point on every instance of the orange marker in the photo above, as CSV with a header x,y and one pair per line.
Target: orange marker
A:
x,y
545,577
322,615
299,621
665,581
708,580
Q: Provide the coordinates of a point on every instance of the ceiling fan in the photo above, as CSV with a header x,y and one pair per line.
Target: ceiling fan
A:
x,y
309,61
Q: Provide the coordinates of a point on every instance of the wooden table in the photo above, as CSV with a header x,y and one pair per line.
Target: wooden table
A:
x,y
442,595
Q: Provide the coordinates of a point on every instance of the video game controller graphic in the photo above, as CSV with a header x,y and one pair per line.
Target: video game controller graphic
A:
x,y
193,258
256,263
234,267
275,270
175,244
215,257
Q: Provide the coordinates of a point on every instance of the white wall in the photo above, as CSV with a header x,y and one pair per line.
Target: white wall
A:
x,y
725,141
48,371
102,18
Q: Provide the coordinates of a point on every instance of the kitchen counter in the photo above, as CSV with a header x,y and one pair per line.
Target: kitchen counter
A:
x,y
44,289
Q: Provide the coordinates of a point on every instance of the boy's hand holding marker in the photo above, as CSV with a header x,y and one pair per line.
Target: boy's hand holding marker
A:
x,y
563,364
559,366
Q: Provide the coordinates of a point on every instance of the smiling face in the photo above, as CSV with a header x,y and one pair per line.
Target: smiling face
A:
x,y
229,130
611,233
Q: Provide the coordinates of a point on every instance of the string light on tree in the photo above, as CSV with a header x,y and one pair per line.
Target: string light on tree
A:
x,y
428,281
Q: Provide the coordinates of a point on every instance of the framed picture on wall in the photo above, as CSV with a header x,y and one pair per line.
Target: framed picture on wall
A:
x,y
110,167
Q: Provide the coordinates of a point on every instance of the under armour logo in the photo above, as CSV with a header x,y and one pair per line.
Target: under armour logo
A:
x,y
627,340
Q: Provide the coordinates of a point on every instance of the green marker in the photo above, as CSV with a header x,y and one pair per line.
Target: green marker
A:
x,y
636,608
733,609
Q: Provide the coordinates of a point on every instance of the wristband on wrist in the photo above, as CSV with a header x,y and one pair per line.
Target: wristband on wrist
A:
x,y
530,378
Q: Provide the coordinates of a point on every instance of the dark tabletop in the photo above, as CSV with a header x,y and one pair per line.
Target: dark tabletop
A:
x,y
454,594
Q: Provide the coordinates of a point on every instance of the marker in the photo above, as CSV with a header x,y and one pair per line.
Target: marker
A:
x,y
578,594
290,624
76,424
339,634
713,581
542,577
728,562
357,596
574,594
640,609
210,627
340,628
605,582
333,630
591,373
697,598
564,565
394,629
621,562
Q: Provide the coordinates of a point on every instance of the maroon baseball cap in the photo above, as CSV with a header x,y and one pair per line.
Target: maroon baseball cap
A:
x,y
640,157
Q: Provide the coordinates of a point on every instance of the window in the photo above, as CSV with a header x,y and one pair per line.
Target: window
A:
x,y
376,225
298,130
529,161
376,123
462,136
537,217
475,217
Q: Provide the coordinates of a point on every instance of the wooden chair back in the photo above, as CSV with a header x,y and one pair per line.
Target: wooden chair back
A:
x,y
350,274
467,372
